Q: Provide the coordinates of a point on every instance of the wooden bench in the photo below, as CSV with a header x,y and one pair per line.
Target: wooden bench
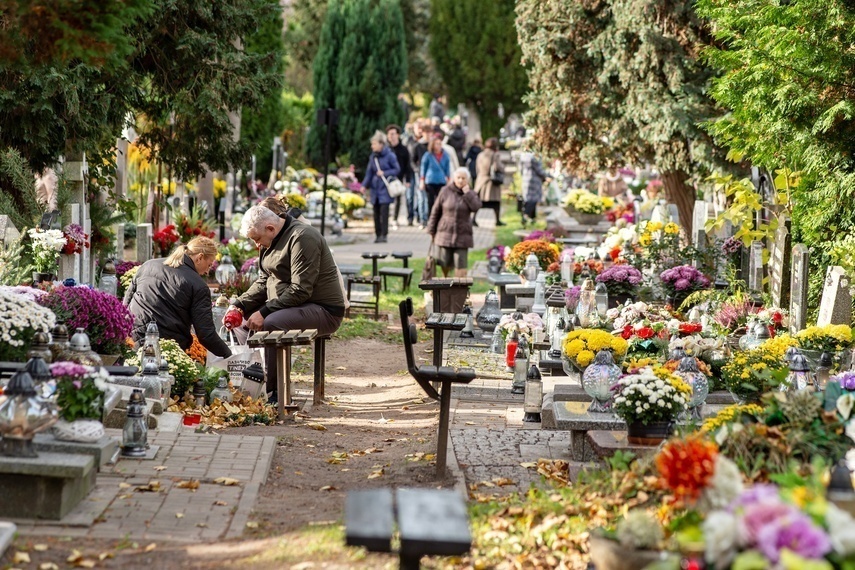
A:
x,y
425,375
283,341
374,256
370,304
449,293
431,522
405,272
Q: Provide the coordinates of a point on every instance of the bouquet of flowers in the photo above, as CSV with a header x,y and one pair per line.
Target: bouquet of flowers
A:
x,y
541,234
196,223
750,374
683,279
293,200
79,390
76,240
620,279
21,317
582,345
828,338
733,315
164,239
645,338
846,380
103,316
589,203
651,395
775,318
571,297
526,325
546,253
349,202
45,246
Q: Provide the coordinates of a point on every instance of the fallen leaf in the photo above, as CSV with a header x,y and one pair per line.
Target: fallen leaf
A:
x,y
40,547
328,488
150,547
152,487
430,456
529,465
340,368
160,468
376,474
503,481
125,485
221,503
192,484
21,558
48,566
317,427
227,481
105,555
469,423
202,525
74,556
85,563
252,524
179,515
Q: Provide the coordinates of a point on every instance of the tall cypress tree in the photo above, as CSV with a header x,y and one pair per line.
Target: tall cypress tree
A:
x,y
360,68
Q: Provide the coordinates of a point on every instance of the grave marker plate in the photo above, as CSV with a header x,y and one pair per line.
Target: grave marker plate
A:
x,y
799,288
836,305
755,272
779,267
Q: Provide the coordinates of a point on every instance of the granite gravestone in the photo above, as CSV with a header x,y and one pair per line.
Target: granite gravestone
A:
x,y
144,235
9,234
799,287
835,308
699,233
755,271
779,267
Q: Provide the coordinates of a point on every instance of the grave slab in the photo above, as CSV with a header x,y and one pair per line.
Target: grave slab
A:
x,y
45,487
104,450
604,444
575,393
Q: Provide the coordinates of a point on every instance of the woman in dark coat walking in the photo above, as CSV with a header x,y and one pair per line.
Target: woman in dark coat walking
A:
x,y
381,164
450,223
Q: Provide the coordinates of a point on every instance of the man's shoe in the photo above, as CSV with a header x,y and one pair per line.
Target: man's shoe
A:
x,y
377,239
501,223
410,223
381,239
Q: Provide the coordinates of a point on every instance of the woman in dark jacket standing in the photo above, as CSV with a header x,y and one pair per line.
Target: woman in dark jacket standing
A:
x,y
488,163
381,164
172,293
450,223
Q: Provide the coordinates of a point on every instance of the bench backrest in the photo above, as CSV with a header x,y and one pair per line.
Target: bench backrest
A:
x,y
411,336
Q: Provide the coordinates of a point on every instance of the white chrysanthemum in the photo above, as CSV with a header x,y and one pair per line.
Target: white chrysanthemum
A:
x,y
721,537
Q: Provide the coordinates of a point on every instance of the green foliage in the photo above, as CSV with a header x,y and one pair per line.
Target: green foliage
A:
x,y
260,124
362,35
297,116
16,266
17,191
483,68
83,402
302,40
422,76
786,76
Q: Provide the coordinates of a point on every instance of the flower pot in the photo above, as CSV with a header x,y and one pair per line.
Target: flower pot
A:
x,y
587,219
79,431
652,433
39,277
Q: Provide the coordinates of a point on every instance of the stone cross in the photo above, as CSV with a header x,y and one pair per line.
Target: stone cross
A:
x,y
835,308
69,265
799,287
779,267
755,271
9,234
144,235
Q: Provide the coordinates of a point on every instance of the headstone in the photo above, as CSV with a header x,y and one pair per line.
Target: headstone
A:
x,y
120,241
799,287
144,235
699,233
69,265
86,259
779,266
755,271
835,308
49,219
8,232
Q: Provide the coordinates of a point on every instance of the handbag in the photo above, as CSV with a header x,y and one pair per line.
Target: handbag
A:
x,y
496,176
429,270
394,186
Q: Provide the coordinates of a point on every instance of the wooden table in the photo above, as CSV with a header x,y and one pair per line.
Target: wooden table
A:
x,y
440,285
374,256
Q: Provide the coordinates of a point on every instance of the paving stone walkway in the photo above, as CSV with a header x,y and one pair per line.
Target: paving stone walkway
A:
x,y
173,496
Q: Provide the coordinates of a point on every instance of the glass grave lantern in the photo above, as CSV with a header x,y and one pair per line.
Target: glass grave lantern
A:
x,y
759,336
467,331
532,268
490,314
586,308
520,366
601,295
200,393
135,432
109,283
222,392
799,377
598,379
40,346
823,370
22,416
167,379
150,381
494,265
567,267
59,340
80,351
697,380
533,399
225,270
556,336
152,337
539,305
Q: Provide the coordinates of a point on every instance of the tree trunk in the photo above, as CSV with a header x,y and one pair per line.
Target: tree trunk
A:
x,y
682,195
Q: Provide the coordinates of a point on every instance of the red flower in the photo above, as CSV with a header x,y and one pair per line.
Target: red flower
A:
x,y
645,333
615,253
626,333
690,328
777,318
686,466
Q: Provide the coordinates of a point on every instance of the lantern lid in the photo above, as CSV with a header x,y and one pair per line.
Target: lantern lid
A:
x,y
604,357
761,332
21,384
841,478
38,369
222,301
826,360
60,333
226,260
688,364
80,341
40,340
253,372
799,363
148,351
151,328
150,367
164,364
533,373
199,388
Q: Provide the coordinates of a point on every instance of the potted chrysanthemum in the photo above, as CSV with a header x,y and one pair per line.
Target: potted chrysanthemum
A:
x,y
649,401
622,282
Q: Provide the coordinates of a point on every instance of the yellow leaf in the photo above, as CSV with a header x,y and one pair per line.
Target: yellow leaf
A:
x,y
40,547
192,484
376,474
328,488
105,555
221,503
227,481
160,468
48,566
125,485
317,427
179,515
21,558
74,556
529,465
150,547
252,524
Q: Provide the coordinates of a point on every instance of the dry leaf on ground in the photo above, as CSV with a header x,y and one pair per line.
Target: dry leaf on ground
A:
x,y
21,558
227,481
192,484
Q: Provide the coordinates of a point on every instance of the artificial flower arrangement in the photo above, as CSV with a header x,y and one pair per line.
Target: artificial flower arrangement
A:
x,y
45,246
102,315
828,338
165,238
684,279
582,345
79,390
621,280
181,366
651,395
220,187
524,324
546,253
21,317
76,240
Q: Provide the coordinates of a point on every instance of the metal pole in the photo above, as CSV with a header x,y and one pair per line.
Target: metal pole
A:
x,y
326,171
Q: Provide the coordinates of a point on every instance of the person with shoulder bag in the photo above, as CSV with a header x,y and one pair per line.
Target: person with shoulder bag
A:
x,y
382,164
450,223
490,177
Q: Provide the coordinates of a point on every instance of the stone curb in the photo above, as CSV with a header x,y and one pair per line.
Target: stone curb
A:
x,y
7,533
451,458
245,506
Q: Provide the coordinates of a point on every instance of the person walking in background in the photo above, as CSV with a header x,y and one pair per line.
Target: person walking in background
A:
x,y
533,176
450,223
381,164
469,161
488,171
456,139
420,201
435,171
437,109
393,135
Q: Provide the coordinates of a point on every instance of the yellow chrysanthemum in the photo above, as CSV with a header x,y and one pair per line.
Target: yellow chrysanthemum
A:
x,y
778,346
645,240
584,358
654,226
573,347
619,345
672,228
608,202
730,414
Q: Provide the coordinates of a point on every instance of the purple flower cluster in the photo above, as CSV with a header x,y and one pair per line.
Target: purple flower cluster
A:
x,y
571,296
772,526
731,245
541,234
620,274
501,250
684,278
124,266
250,263
103,316
845,379
64,368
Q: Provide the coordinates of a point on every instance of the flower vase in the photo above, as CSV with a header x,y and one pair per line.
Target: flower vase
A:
x,y
79,431
587,219
40,277
652,433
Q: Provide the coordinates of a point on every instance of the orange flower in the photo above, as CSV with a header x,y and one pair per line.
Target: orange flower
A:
x,y
686,466
197,352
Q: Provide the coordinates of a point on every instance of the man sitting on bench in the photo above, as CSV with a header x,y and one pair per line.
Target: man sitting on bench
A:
x,y
298,286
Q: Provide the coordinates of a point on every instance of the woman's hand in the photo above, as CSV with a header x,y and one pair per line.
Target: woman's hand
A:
x,y
466,189
422,184
380,173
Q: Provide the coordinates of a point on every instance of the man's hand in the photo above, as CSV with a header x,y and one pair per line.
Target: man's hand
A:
x,y
255,322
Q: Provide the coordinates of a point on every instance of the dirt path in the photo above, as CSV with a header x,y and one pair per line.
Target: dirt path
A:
x,y
377,430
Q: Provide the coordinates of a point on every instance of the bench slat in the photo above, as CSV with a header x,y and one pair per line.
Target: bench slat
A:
x,y
432,522
369,519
